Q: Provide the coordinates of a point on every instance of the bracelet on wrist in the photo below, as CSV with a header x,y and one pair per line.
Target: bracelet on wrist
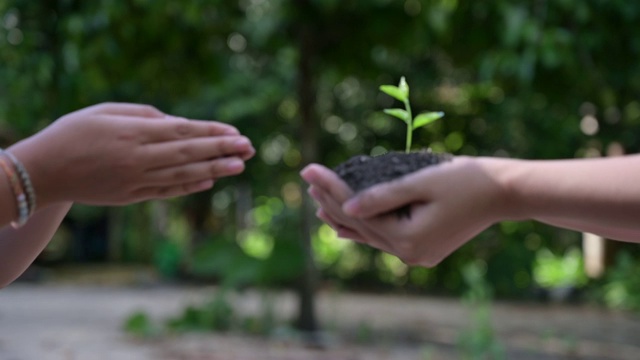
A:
x,y
21,187
26,182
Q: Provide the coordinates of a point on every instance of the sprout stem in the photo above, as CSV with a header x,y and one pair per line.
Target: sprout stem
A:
x,y
409,125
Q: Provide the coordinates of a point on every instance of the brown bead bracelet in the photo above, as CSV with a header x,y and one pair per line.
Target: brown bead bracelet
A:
x,y
18,192
26,181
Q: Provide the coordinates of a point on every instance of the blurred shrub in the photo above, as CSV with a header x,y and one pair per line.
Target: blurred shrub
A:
x,y
140,324
556,271
621,287
215,315
479,340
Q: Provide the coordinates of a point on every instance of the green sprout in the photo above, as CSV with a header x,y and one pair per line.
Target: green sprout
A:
x,y
401,93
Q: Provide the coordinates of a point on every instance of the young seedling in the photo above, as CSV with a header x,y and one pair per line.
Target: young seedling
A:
x,y
401,93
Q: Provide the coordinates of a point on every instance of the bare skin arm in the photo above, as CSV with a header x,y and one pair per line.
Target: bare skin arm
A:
x,y
453,202
594,195
20,247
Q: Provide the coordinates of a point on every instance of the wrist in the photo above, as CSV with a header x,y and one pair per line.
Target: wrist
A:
x,y
26,151
507,175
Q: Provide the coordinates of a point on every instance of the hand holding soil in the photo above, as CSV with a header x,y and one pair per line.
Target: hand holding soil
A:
x,y
449,204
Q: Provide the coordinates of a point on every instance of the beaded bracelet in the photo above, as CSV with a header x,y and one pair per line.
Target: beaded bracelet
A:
x,y
18,191
26,181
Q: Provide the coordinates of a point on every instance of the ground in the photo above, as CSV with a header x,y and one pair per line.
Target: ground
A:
x,y
83,320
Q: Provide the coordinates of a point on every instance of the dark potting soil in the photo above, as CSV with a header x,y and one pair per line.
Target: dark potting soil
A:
x,y
362,171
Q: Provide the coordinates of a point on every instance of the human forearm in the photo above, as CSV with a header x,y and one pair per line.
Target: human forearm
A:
x,y
608,232
20,247
594,195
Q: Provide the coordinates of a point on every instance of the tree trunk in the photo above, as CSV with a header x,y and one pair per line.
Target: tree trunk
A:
x,y
308,137
115,237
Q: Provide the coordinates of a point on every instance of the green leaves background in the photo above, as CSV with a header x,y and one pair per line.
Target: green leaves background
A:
x,y
515,78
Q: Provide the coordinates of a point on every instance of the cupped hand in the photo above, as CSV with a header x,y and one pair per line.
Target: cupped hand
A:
x,y
118,153
449,205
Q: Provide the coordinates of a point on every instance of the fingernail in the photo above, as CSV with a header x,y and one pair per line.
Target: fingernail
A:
x,y
204,185
230,131
306,175
242,142
248,154
313,192
235,165
351,207
173,117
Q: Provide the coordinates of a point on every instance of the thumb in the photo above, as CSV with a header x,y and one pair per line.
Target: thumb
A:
x,y
382,198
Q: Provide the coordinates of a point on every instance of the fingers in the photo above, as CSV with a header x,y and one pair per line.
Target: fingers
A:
x,y
330,207
346,226
173,153
217,128
173,128
331,192
127,109
166,192
348,233
194,172
383,198
324,178
342,231
176,125
322,215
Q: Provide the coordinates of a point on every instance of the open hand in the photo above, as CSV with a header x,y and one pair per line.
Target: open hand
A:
x,y
449,204
117,153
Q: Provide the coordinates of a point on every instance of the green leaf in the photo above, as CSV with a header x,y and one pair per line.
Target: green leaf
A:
x,y
399,113
394,91
426,118
404,87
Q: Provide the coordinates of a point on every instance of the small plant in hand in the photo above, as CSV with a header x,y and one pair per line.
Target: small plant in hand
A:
x,y
401,93
361,172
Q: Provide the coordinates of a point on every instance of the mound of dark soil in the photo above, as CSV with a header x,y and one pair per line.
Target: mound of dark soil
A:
x,y
362,171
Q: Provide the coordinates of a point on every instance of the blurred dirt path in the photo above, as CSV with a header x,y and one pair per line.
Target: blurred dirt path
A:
x,y
77,322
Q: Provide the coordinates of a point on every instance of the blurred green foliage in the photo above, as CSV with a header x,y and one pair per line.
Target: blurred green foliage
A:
x,y
140,325
621,286
551,271
480,340
516,78
215,315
